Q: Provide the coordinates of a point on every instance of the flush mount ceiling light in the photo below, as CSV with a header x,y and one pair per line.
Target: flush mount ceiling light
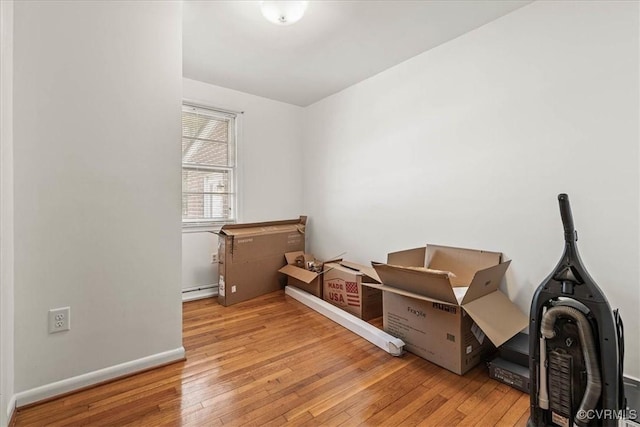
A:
x,y
283,12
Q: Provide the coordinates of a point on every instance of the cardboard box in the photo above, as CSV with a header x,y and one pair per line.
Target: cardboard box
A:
x,y
299,276
343,287
444,303
251,254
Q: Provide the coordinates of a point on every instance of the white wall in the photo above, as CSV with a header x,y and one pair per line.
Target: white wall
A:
x,y
197,269
270,170
469,144
6,211
97,91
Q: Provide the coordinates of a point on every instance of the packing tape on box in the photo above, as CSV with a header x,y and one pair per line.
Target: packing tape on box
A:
x,y
389,343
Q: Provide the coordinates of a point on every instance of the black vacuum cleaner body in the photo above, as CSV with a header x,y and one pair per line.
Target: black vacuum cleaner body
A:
x,y
576,345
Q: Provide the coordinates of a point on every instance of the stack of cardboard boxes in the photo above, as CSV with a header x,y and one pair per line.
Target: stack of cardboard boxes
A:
x,y
337,282
443,302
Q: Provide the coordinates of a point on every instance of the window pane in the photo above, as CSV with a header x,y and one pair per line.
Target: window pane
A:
x,y
213,207
206,194
208,160
205,152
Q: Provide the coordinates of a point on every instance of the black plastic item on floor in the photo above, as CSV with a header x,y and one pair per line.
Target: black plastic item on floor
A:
x,y
576,345
516,350
513,374
632,393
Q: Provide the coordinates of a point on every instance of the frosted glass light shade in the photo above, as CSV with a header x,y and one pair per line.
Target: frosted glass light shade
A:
x,y
283,12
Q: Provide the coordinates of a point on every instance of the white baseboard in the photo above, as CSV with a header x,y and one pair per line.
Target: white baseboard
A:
x,y
200,293
11,407
380,338
632,378
81,381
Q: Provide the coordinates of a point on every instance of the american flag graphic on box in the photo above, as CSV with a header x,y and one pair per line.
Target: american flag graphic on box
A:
x,y
342,287
353,297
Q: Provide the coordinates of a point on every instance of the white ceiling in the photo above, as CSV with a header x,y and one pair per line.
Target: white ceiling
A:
x,y
335,45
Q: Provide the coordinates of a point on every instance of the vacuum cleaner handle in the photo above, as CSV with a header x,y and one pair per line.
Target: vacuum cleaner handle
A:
x,y
567,218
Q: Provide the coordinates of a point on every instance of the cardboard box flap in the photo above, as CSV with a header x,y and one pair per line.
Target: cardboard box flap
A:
x,y
257,231
402,292
369,274
409,258
299,273
344,266
264,227
434,285
460,292
485,281
351,266
462,262
292,256
497,316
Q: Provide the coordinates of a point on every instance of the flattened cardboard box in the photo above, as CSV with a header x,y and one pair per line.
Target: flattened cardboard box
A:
x,y
343,287
251,254
301,278
452,320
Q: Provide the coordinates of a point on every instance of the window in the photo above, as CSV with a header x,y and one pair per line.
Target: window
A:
x,y
208,166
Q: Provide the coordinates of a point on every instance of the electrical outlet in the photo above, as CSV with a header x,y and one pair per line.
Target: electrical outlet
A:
x,y
214,258
59,319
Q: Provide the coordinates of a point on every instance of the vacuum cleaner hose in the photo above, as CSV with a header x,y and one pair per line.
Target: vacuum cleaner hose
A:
x,y
594,382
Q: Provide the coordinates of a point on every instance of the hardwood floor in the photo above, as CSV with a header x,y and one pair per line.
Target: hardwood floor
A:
x,y
273,361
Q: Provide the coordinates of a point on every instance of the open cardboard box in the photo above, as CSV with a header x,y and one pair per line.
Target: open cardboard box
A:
x,y
443,302
299,276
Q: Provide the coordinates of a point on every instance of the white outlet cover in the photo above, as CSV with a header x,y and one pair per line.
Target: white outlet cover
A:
x,y
59,319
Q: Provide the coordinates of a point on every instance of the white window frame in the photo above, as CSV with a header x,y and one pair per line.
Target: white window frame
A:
x,y
197,224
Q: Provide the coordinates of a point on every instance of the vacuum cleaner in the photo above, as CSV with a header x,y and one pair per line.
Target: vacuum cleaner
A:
x,y
576,345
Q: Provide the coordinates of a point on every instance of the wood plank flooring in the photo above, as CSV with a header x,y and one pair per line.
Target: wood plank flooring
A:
x,y
272,361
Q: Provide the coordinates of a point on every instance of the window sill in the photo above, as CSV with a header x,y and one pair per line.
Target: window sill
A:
x,y
201,228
